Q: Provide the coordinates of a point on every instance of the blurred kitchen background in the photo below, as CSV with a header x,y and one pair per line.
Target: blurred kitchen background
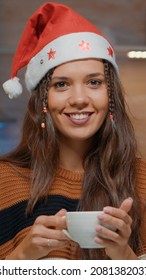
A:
x,y
122,21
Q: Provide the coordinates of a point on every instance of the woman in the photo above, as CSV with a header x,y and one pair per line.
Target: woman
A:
x,y
78,150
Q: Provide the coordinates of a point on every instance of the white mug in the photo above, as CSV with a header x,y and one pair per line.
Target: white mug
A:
x,y
81,227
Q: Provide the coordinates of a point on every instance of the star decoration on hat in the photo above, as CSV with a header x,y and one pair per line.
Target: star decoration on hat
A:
x,y
85,46
110,51
51,54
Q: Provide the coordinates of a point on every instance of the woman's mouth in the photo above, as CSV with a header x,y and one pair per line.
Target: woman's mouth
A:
x,y
79,118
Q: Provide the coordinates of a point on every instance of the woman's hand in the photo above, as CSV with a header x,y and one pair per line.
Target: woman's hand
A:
x,y
116,244
44,236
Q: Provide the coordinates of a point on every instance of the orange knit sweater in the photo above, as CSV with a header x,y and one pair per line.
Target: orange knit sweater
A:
x,y
64,193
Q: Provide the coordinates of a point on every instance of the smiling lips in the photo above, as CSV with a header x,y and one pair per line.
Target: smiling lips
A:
x,y
79,118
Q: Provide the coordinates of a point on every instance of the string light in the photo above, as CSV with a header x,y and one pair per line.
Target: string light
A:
x,y
137,54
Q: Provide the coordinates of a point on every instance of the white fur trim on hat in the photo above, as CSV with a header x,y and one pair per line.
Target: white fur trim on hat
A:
x,y
67,48
13,88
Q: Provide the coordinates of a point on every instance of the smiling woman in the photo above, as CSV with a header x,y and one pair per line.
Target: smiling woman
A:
x,y
78,102
78,149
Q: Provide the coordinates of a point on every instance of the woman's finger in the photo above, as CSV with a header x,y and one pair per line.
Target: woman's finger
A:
x,y
118,221
61,213
120,213
116,236
51,221
44,232
49,242
127,204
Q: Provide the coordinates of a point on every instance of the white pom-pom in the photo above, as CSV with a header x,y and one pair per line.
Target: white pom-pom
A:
x,y
13,88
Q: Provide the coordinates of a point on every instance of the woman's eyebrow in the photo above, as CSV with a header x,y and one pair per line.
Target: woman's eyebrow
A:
x,y
59,78
92,75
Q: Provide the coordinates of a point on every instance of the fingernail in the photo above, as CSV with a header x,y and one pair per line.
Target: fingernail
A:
x,y
99,229
107,209
130,198
97,240
101,217
63,218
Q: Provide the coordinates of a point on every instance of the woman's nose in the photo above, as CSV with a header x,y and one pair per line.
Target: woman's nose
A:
x,y
78,97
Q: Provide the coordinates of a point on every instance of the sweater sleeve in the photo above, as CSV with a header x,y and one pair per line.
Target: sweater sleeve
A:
x,y
141,192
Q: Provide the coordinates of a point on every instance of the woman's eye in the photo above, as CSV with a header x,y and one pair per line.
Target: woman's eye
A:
x,y
95,83
61,85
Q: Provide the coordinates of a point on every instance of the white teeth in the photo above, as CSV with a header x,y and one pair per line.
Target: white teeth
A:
x,y
79,116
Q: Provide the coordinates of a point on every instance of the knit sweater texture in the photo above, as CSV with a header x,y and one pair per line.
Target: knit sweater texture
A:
x,y
64,193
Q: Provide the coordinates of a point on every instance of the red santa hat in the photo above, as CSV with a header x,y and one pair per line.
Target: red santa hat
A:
x,y
55,34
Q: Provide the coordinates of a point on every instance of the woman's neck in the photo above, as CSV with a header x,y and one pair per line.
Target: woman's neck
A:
x,y
72,154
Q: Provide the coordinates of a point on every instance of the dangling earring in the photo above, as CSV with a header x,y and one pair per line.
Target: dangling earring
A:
x,y
111,110
44,111
45,85
112,119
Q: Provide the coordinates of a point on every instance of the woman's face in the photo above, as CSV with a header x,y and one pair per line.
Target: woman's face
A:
x,y
78,99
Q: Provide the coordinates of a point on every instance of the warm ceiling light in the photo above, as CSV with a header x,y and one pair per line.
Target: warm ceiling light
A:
x,y
137,54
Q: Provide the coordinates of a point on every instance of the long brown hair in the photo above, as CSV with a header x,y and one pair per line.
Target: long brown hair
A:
x,y
109,166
